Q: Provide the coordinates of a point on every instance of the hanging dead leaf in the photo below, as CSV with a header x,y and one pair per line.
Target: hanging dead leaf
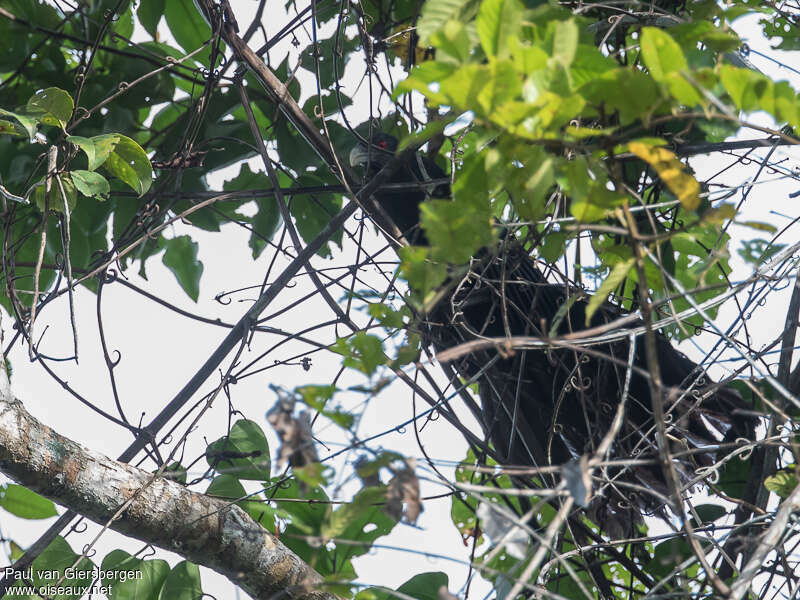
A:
x,y
297,441
403,497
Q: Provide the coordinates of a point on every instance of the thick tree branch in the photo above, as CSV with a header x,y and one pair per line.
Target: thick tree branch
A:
x,y
208,531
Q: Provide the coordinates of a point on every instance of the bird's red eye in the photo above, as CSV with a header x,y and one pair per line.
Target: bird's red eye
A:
x,y
382,145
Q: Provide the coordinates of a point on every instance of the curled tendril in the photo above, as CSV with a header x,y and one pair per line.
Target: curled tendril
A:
x,y
401,430
88,551
580,384
223,298
434,416
122,86
558,428
79,527
115,361
711,473
148,551
585,358
110,276
745,454
167,439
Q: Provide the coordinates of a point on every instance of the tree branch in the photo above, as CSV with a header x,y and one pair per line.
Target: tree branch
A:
x,y
208,531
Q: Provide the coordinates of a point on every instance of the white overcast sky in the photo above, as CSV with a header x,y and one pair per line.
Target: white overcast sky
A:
x,y
161,351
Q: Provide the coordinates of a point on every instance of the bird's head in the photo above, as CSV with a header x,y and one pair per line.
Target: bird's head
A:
x,y
373,156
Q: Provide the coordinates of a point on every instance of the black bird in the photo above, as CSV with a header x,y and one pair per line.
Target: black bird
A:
x,y
416,180
550,407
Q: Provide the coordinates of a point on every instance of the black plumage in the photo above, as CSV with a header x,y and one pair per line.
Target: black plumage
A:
x,y
547,407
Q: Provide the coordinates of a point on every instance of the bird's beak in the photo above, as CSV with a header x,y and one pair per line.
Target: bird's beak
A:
x,y
358,156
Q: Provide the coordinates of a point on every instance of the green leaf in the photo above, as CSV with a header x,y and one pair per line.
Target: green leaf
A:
x,y
28,122
129,163
317,397
758,251
424,586
498,23
456,229
435,15
150,13
565,42
55,199
553,247
181,259
667,555
422,274
187,24
24,503
228,486
453,40
244,453
91,184
708,513
360,522
11,128
633,93
313,212
745,87
97,148
54,104
51,565
735,474
266,220
362,351
617,275
313,474
661,53
182,583
176,472
131,577
782,483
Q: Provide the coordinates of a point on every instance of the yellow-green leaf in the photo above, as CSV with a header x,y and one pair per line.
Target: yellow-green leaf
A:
x,y
661,53
97,148
782,483
671,171
129,163
618,273
52,102
565,42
